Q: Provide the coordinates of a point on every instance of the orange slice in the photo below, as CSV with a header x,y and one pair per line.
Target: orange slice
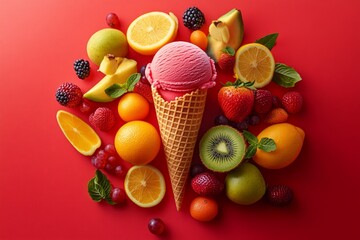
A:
x,y
150,31
145,185
81,136
254,63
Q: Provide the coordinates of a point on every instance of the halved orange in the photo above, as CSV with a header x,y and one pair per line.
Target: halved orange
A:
x,y
254,63
145,185
81,136
150,31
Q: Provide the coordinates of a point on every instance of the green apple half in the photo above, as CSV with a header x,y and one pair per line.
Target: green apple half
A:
x,y
125,69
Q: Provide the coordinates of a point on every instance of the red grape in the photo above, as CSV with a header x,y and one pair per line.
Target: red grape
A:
x,y
120,171
156,226
118,195
113,20
110,149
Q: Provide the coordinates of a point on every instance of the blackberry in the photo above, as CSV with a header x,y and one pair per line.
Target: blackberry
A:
x,y
193,18
82,68
69,95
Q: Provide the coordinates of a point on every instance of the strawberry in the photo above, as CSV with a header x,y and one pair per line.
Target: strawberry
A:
x,y
277,115
103,118
236,100
263,101
144,90
279,195
292,102
207,183
227,59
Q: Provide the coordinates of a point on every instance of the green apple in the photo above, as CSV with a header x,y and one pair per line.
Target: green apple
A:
x,y
125,69
106,41
245,184
227,31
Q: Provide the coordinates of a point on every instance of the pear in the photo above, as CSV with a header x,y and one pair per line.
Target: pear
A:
x,y
106,41
227,31
125,69
245,184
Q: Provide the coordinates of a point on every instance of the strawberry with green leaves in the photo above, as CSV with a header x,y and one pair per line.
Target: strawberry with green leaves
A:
x,y
236,100
227,59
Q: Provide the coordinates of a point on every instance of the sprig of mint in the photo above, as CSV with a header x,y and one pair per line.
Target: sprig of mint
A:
x,y
239,83
99,188
117,90
285,76
265,144
268,41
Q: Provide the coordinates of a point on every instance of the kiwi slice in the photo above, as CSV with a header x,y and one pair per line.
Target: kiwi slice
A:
x,y
222,148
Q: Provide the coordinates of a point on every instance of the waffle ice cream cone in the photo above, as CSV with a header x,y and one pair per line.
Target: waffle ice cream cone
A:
x,y
179,122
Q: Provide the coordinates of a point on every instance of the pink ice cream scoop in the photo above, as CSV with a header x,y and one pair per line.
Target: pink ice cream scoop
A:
x,y
179,68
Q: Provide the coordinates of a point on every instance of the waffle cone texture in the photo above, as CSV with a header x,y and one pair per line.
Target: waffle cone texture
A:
x,y
179,122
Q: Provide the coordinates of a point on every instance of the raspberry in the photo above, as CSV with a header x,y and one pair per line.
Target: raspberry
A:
x,y
279,195
193,18
82,68
103,118
69,95
292,102
263,101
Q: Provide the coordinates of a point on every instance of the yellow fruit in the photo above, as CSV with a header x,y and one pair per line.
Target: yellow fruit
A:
x,y
124,70
145,185
137,142
106,41
254,62
81,136
150,31
289,141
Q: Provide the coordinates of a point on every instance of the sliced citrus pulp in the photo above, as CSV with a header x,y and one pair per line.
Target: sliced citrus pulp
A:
x,y
254,63
145,185
81,136
150,31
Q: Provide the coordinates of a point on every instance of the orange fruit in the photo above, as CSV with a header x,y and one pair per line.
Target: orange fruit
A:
x,y
203,209
199,38
254,63
150,31
81,136
137,142
145,185
133,106
289,141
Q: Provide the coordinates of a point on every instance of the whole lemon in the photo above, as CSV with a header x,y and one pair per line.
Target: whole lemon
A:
x,y
289,140
137,142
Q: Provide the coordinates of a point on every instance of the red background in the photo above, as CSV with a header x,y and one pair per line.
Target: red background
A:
x,y
43,180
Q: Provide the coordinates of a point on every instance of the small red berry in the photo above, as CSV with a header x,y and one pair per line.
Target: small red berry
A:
x,y
279,195
292,102
113,20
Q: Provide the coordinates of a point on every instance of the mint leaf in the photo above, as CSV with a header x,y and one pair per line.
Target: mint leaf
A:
x,y
229,50
250,138
250,151
132,80
267,144
285,76
269,41
99,187
116,90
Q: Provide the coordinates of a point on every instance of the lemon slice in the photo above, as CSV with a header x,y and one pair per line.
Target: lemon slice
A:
x,y
254,63
150,31
145,185
81,136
